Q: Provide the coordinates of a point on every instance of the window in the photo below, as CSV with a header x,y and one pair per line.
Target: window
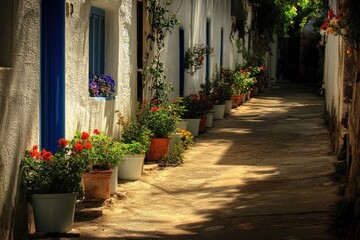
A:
x,y
96,41
207,70
221,47
6,28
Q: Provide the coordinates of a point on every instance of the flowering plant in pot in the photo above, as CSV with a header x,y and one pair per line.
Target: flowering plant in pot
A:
x,y
102,86
196,105
222,85
103,157
161,120
53,180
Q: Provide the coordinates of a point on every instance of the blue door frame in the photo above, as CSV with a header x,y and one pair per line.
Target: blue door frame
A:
x,y
52,76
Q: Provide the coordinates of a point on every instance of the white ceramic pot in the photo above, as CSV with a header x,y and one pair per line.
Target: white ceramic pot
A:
x,y
54,213
228,106
193,126
209,120
175,138
219,111
114,180
131,168
183,124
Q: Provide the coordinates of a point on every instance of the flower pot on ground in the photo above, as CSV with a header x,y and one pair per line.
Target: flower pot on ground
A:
x,y
159,147
54,213
97,185
202,124
132,167
47,177
240,100
193,126
183,124
234,100
209,120
228,106
114,180
175,138
219,111
105,154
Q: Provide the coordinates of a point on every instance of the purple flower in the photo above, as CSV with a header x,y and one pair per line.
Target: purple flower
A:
x,y
101,86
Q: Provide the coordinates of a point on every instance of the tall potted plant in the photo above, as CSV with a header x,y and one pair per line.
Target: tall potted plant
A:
x,y
194,111
222,92
52,184
136,142
161,120
104,156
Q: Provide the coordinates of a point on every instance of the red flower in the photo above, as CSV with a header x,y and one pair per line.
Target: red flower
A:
x,y
78,147
88,145
46,155
154,109
350,51
62,142
96,132
262,68
34,152
85,136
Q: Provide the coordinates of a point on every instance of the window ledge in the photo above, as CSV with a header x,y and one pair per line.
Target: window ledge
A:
x,y
104,98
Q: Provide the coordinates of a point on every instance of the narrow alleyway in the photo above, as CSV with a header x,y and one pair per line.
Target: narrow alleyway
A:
x,y
263,173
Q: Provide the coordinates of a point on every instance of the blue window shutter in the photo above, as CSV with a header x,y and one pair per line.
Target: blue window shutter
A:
x,y
221,46
96,41
182,61
207,73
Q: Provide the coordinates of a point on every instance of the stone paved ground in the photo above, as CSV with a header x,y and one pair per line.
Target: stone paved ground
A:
x,y
262,173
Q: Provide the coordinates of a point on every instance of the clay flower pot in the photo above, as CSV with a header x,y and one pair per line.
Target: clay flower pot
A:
x,y
159,147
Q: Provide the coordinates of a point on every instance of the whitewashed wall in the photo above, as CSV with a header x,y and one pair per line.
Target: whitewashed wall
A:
x,y
193,15
334,82
19,113
82,111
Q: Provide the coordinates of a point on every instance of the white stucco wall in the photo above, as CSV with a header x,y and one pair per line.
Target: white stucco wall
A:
x,y
19,113
193,15
82,111
333,66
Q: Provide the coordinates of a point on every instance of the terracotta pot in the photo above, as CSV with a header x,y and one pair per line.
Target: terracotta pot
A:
x,y
240,99
97,185
202,126
235,100
159,147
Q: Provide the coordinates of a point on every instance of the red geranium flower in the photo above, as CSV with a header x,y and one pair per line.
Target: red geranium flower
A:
x,y
34,152
96,132
154,109
46,155
88,145
62,142
85,136
78,147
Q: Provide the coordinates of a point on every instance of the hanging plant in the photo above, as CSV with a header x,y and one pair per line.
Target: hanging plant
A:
x,y
195,56
345,23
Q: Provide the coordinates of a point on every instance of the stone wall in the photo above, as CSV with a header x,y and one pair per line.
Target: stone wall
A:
x,y
19,118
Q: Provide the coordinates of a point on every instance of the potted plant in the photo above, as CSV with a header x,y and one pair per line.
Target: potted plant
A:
x,y
161,120
104,156
102,86
194,110
222,92
52,183
136,142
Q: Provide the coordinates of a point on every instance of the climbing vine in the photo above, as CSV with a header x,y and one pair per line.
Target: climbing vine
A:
x,y
161,21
